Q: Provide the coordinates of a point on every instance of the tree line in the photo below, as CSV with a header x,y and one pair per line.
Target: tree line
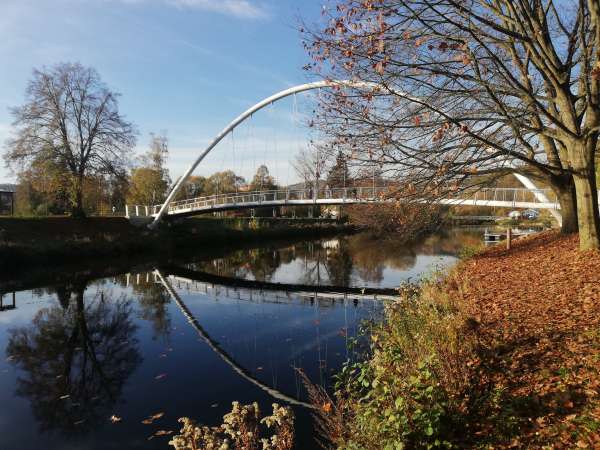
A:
x,y
74,153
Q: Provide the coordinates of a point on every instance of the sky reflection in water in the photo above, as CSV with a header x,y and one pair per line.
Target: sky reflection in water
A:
x,y
75,355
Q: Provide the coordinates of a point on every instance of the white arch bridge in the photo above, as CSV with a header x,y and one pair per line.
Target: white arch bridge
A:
x,y
530,197
498,197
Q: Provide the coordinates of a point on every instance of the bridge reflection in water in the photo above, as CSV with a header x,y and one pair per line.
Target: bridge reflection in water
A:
x,y
7,301
252,291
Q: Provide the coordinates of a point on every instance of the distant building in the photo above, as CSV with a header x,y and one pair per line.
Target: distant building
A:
x,y
7,199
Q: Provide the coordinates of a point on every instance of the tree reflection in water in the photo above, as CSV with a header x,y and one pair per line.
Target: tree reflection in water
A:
x,y
75,358
340,261
153,301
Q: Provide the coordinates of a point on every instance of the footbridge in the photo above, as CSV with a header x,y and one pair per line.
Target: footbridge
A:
x,y
497,197
530,197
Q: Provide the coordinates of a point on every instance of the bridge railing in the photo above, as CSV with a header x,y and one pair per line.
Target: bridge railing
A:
x,y
515,196
282,195
511,195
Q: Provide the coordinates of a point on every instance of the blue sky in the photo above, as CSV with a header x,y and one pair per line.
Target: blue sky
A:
x,y
184,66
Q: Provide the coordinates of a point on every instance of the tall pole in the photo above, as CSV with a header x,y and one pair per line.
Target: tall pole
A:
x,y
373,181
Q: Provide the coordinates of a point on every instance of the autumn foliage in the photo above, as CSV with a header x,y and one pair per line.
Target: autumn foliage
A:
x,y
502,353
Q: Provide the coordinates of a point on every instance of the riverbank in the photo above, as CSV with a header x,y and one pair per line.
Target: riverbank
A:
x,y
504,352
48,242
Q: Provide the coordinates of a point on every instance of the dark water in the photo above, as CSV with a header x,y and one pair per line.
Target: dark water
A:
x,y
175,341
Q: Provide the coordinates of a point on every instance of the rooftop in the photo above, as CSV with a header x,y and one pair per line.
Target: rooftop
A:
x,y
8,187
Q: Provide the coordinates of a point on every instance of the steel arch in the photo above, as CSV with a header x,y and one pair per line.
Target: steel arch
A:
x,y
281,95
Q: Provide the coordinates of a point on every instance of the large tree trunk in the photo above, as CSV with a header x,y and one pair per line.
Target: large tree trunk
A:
x,y
77,210
587,211
567,198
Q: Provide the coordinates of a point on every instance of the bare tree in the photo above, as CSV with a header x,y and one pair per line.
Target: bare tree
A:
x,y
470,87
71,118
310,164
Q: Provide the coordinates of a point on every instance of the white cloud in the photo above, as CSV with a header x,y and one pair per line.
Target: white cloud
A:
x,y
244,9
239,8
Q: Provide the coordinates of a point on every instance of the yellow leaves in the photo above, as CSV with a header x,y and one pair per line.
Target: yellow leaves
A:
x,y
327,407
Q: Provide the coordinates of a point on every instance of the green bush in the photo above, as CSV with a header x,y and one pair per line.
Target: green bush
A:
x,y
408,392
469,251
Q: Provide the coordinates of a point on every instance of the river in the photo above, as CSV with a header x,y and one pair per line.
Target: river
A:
x,y
189,337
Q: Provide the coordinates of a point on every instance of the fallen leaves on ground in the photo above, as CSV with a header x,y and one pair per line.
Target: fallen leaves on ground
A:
x,y
537,309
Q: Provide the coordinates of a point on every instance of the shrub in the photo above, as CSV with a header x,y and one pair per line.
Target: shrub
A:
x,y
408,391
242,429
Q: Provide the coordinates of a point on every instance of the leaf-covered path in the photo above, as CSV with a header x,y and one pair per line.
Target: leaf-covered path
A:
x,y
537,314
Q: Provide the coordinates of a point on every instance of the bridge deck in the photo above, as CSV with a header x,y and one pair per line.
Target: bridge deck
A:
x,y
500,198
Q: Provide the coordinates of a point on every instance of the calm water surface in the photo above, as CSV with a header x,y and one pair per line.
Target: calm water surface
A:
x,y
181,340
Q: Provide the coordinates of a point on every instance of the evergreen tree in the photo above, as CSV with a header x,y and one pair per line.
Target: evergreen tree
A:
x,y
339,175
262,180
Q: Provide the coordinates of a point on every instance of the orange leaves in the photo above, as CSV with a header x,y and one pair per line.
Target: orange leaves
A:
x,y
438,135
532,302
152,418
161,433
596,71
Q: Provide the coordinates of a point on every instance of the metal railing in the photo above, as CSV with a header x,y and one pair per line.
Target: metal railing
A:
x,y
281,197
